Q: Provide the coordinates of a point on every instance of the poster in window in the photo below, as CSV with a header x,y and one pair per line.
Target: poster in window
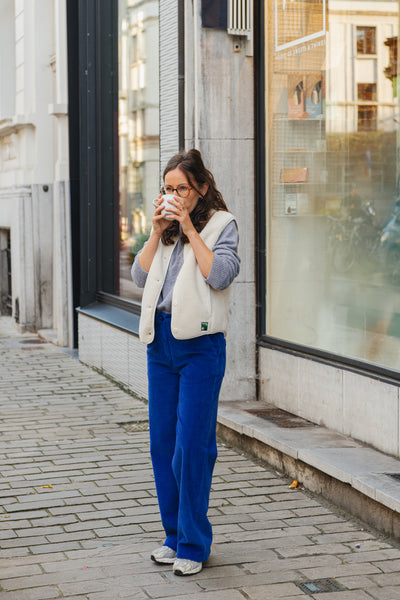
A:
x,y
295,90
313,95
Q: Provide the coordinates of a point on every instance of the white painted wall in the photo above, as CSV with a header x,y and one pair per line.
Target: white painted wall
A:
x,y
355,405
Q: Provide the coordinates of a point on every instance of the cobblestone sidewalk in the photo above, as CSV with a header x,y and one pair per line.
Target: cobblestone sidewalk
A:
x,y
78,515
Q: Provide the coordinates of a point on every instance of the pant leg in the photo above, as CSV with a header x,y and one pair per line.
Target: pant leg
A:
x,y
202,367
163,380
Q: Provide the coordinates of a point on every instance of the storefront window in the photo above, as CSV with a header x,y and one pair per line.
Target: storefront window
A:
x,y
333,159
138,130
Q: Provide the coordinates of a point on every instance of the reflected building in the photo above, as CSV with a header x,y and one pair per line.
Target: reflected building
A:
x,y
138,124
361,98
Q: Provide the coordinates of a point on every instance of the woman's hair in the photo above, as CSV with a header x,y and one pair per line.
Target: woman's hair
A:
x,y
191,164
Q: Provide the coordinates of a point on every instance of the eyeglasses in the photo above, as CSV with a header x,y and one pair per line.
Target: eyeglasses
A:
x,y
182,190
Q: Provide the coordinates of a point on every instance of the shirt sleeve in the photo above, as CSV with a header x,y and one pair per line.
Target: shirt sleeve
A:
x,y
226,262
138,274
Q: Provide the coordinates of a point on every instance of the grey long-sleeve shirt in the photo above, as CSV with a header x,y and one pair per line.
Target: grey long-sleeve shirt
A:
x,y
225,266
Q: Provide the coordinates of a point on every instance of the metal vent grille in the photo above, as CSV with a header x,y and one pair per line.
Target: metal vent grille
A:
x,y
240,17
320,585
280,417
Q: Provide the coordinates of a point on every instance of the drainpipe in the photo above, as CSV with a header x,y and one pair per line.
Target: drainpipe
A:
x,y
181,73
196,37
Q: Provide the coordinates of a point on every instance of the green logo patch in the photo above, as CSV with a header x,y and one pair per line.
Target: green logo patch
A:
x,y
204,325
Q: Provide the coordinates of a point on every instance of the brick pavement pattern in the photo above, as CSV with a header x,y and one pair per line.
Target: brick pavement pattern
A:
x,y
79,517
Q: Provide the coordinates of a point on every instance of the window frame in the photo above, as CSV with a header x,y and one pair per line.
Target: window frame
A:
x,y
98,148
367,106
365,27
96,248
263,340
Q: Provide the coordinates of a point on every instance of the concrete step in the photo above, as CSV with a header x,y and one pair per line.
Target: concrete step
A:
x,y
353,475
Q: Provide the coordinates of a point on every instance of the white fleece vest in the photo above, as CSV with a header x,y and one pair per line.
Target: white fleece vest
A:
x,y
197,309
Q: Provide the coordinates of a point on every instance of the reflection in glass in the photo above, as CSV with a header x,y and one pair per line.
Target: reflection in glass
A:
x,y
138,130
366,40
366,91
333,157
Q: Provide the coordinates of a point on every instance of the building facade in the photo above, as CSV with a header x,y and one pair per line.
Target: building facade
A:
x,y
35,263
294,105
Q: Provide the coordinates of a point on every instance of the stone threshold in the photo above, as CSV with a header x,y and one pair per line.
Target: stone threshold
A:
x,y
347,472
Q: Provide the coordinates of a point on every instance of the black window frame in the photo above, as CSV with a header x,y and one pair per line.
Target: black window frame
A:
x,y
261,139
97,35
93,79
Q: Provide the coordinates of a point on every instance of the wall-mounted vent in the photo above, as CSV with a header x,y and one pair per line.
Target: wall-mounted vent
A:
x,y
240,17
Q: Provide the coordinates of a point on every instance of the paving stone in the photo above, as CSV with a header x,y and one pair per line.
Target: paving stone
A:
x,y
18,542
87,525
52,578
388,566
13,570
246,580
304,562
171,590
42,593
353,595
386,593
117,531
357,582
62,547
340,571
215,595
315,549
99,514
386,579
134,593
13,552
283,590
388,555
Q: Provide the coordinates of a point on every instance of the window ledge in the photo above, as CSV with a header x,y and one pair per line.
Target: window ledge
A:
x,y
113,316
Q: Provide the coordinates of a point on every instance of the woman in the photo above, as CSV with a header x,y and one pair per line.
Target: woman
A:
x,y
186,268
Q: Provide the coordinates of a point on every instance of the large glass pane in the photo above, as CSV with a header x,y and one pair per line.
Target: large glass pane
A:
x,y
333,158
138,124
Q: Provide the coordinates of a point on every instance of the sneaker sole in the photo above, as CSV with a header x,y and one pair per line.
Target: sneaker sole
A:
x,y
163,561
182,574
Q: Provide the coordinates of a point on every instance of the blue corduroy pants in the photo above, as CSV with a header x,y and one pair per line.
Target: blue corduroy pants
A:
x,y
185,378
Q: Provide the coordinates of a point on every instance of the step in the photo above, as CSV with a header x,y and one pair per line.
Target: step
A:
x,y
359,478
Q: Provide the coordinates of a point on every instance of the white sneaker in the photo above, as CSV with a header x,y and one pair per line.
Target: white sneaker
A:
x,y
164,555
183,566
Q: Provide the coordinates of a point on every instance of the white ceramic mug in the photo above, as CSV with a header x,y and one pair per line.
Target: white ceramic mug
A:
x,y
166,204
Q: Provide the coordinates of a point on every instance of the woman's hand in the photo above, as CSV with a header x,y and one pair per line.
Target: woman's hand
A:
x,y
203,254
159,225
181,214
